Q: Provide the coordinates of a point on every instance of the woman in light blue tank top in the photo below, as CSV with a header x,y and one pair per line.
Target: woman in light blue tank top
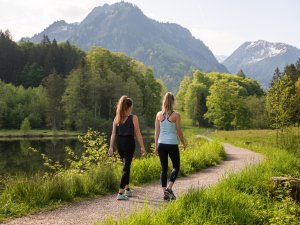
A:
x,y
167,132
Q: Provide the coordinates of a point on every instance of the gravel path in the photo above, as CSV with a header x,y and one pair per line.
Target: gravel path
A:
x,y
87,212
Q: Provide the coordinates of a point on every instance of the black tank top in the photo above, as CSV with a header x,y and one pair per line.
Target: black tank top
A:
x,y
127,128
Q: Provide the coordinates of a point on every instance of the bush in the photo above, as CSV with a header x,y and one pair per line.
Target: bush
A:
x,y
25,126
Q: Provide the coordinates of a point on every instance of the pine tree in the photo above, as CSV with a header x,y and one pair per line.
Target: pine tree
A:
x,y
241,74
276,77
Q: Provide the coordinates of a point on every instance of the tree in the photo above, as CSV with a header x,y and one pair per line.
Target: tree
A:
x,y
258,117
292,72
297,111
54,85
298,65
276,77
31,75
195,103
76,98
280,103
226,109
10,58
181,93
151,97
25,126
241,74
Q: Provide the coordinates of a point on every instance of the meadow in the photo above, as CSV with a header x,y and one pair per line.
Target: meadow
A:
x,y
245,198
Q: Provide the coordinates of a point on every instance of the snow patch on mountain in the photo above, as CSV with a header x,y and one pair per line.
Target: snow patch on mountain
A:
x,y
261,50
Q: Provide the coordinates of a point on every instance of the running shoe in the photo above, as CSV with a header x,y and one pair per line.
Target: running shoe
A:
x,y
166,198
170,194
128,193
122,197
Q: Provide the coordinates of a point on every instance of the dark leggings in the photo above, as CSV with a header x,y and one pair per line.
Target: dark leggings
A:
x,y
126,147
163,151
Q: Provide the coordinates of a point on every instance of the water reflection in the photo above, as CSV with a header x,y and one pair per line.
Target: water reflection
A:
x,y
16,158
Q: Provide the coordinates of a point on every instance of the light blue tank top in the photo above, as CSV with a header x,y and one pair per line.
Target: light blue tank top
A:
x,y
167,134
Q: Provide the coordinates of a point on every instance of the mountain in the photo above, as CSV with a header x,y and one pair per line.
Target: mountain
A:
x,y
220,58
168,47
259,59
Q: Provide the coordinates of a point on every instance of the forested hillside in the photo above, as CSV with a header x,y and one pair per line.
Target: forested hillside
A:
x,y
58,86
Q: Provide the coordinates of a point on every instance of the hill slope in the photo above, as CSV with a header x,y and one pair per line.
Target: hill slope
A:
x,y
168,47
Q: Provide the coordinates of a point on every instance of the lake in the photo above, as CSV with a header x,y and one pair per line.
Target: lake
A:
x,y
16,158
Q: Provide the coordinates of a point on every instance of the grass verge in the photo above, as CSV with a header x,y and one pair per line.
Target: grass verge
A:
x,y
21,196
37,133
244,198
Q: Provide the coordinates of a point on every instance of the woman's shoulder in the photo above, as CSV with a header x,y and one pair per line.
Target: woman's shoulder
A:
x,y
177,114
134,117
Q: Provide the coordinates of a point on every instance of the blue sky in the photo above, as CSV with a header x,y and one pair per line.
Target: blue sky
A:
x,y
223,25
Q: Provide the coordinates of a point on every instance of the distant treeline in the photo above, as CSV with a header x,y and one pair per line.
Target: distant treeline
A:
x,y
229,101
61,87
27,64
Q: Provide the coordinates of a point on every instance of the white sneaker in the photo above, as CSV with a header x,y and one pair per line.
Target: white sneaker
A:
x,y
122,197
129,193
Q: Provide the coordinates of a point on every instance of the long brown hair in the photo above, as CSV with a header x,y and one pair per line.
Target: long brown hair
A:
x,y
123,105
168,103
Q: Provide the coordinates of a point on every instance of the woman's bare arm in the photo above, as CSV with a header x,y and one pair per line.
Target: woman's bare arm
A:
x,y
112,139
157,131
179,131
138,134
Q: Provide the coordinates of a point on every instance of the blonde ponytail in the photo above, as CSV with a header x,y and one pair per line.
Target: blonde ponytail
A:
x,y
168,103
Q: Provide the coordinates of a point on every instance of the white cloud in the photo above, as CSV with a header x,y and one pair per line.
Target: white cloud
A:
x,y
25,18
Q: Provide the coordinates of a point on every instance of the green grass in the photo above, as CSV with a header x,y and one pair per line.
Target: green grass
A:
x,y
244,198
199,155
21,196
261,138
37,133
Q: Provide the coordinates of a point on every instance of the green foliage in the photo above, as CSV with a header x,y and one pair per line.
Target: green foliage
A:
x,y
280,103
226,108
93,90
228,96
182,92
195,102
33,62
94,145
54,85
25,126
258,116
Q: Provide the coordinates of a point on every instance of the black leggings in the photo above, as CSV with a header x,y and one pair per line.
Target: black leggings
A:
x,y
163,151
126,147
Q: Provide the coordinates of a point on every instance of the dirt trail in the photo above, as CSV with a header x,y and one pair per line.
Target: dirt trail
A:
x,y
87,212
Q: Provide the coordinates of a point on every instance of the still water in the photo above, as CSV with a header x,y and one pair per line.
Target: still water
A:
x,y
16,158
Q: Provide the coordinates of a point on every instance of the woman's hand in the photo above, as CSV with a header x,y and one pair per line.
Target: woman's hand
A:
x,y
183,146
143,151
156,151
110,152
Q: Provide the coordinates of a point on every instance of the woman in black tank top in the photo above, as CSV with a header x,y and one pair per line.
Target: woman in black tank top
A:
x,y
124,126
